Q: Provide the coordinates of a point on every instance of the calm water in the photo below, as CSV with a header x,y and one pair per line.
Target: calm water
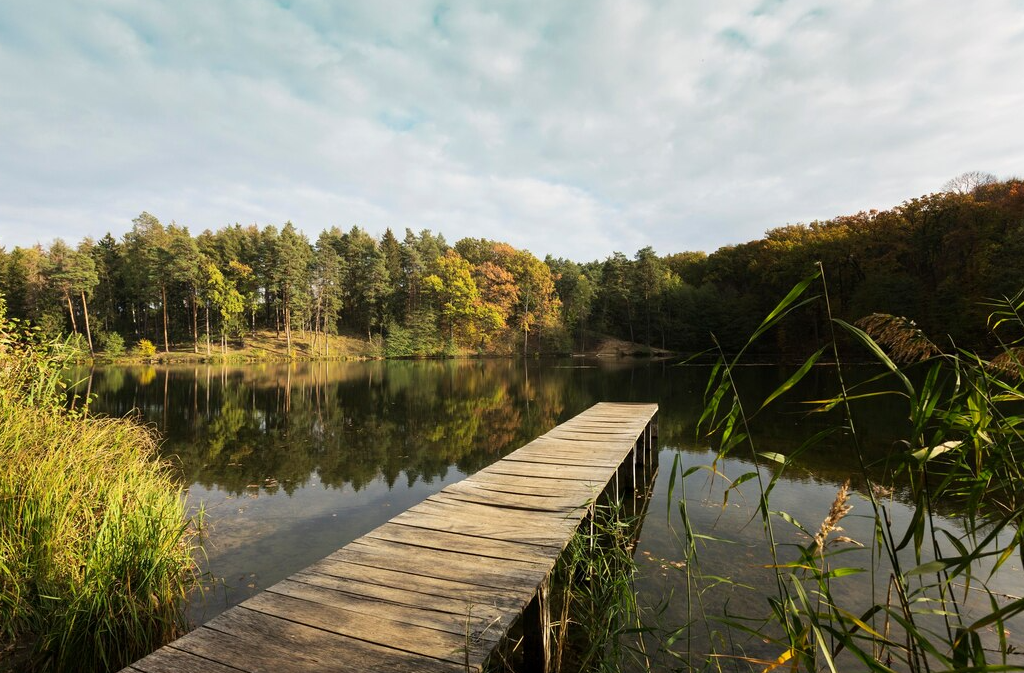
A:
x,y
293,461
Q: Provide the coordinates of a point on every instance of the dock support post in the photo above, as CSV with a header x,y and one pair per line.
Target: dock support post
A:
x,y
625,477
537,630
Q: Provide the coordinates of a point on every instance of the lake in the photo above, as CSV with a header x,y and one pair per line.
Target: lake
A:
x,y
292,461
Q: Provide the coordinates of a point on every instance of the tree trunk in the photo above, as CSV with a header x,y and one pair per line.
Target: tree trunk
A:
x,y
288,323
629,319
526,322
163,301
71,312
647,300
88,332
316,320
207,331
195,326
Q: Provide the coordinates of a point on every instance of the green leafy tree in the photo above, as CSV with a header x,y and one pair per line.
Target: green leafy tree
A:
x,y
367,281
396,302
648,279
413,270
292,265
26,283
110,299
148,268
73,274
328,277
188,267
221,293
466,317
576,291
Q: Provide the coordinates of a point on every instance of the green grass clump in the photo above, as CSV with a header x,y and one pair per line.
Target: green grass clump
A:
x,y
95,546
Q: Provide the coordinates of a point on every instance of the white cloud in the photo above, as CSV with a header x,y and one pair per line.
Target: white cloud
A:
x,y
568,129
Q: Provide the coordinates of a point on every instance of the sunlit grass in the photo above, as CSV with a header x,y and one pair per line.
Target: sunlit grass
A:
x,y
95,548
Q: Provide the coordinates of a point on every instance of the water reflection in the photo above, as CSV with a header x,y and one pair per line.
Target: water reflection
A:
x,y
295,460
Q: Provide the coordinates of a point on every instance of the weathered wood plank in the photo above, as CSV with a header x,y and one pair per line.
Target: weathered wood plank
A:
x,y
571,461
431,587
500,516
440,521
416,562
530,485
541,471
176,661
260,643
506,502
433,634
496,549
472,602
602,438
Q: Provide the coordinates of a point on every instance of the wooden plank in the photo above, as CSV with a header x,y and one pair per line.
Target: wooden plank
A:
x,y
166,660
518,488
433,634
586,475
423,555
509,501
602,438
525,484
546,498
498,549
487,606
558,446
571,461
479,528
421,562
432,587
526,524
353,606
555,446
261,643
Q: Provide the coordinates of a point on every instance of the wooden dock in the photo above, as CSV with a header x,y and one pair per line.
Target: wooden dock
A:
x,y
438,587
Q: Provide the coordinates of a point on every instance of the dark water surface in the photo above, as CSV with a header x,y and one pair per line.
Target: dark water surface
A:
x,y
292,461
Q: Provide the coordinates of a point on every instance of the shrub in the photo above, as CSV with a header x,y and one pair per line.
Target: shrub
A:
x,y
145,348
112,344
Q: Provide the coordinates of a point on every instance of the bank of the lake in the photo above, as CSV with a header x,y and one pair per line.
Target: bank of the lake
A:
x,y
264,346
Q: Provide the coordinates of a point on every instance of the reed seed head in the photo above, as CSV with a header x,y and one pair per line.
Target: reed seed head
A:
x,y
838,510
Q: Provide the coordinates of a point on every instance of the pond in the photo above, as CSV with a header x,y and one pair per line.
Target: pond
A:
x,y
292,461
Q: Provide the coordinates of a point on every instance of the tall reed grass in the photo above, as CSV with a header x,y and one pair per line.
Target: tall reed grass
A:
x,y
930,606
597,617
95,547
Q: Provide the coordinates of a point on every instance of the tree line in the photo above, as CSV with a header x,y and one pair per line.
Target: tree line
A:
x,y
935,259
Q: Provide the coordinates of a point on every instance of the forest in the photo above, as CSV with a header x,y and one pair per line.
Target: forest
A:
x,y
936,259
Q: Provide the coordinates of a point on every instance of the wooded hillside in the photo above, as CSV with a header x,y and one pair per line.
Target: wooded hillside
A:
x,y
935,259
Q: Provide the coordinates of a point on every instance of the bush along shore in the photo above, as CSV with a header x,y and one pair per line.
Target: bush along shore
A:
x,y
96,550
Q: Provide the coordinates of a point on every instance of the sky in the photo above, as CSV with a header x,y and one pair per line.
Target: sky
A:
x,y
568,128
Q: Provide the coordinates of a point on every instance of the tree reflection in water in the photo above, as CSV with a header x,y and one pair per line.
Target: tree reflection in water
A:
x,y
295,460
